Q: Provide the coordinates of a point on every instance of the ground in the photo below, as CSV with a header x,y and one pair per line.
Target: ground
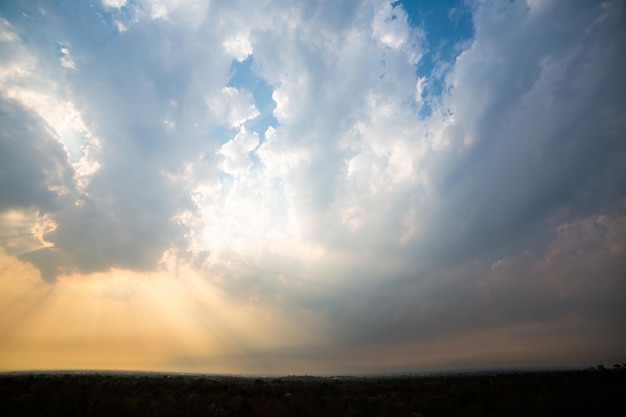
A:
x,y
597,392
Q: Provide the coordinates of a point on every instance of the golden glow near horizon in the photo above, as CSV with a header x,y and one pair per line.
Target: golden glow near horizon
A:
x,y
180,323
125,320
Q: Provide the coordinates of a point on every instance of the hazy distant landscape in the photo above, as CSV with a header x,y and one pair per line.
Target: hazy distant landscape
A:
x,y
592,392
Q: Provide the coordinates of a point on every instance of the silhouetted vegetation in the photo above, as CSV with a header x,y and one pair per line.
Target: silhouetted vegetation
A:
x,y
579,393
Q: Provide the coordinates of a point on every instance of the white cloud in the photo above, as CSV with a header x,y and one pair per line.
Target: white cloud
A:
x,y
6,32
236,160
23,79
17,62
120,26
118,4
232,106
390,25
239,47
66,58
192,13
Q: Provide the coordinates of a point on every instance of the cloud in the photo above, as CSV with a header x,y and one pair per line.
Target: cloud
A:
x,y
379,209
487,177
114,3
103,218
235,152
528,301
66,58
35,171
239,47
232,106
529,146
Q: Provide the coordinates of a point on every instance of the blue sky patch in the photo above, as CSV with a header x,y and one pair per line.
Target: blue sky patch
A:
x,y
447,24
242,76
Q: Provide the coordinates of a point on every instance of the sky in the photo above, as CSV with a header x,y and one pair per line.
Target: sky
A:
x,y
280,187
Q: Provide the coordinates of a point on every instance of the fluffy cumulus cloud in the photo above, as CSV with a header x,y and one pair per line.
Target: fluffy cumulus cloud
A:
x,y
335,163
